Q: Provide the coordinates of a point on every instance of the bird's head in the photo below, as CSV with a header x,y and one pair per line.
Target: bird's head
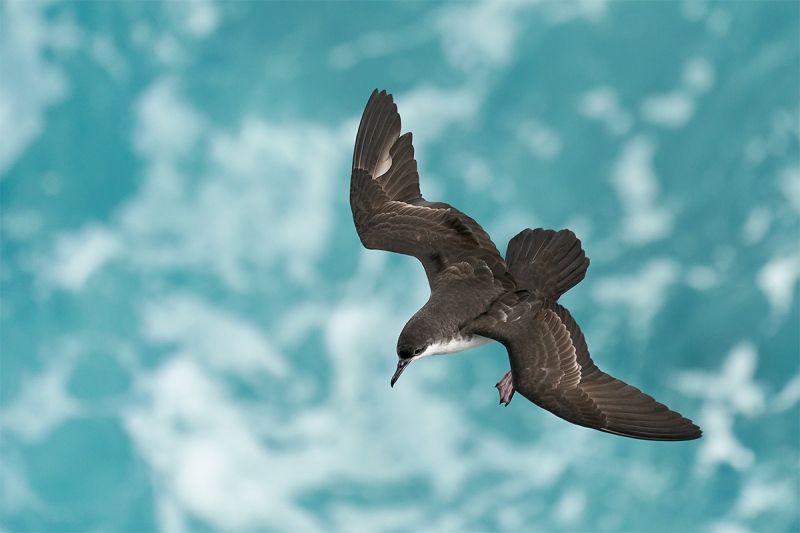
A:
x,y
413,343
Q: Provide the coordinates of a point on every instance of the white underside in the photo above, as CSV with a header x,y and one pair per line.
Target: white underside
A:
x,y
458,344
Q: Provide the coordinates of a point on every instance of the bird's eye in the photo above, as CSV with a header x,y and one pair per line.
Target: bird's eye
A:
x,y
419,351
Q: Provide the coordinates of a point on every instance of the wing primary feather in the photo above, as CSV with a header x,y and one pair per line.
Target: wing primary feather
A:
x,y
390,213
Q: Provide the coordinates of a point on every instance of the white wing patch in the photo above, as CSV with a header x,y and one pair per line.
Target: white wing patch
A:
x,y
383,166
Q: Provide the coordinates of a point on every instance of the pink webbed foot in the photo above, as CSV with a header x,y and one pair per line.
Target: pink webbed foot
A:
x,y
506,388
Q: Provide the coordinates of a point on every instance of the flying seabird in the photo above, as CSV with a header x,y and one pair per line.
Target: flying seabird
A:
x,y
478,297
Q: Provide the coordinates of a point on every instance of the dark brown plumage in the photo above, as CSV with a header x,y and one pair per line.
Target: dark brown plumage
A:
x,y
477,296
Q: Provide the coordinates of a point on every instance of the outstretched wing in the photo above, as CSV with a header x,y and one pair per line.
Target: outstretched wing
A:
x,y
389,211
551,366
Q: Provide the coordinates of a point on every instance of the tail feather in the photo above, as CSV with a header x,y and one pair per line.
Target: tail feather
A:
x,y
549,261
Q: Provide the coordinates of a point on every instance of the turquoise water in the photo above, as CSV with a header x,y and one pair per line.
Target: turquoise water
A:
x,y
194,339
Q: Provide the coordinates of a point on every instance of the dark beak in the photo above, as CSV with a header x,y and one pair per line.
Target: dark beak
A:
x,y
401,365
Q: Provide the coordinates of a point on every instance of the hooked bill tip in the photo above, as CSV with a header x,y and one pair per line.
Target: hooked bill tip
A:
x,y
401,365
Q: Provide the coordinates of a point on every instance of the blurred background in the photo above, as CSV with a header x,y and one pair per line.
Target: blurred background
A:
x,y
194,339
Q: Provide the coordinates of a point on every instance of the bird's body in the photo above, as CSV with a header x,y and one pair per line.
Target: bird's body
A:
x,y
458,343
477,296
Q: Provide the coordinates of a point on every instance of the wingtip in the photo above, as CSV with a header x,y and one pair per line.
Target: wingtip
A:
x,y
380,93
678,434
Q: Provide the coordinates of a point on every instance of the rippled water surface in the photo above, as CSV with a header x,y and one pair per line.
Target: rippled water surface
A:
x,y
194,339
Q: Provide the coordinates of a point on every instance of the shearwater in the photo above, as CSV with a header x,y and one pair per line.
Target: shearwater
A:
x,y
478,297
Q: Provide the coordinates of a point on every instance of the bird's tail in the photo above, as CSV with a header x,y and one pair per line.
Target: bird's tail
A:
x,y
549,261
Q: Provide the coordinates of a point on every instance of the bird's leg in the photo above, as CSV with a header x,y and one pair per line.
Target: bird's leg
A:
x,y
506,388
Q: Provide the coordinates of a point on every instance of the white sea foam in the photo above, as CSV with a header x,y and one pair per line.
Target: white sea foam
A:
x,y
474,37
167,127
18,496
78,256
789,395
778,281
570,508
757,224
760,496
168,50
164,47
510,222
106,54
43,402
602,104
428,111
728,526
718,22
284,196
479,34
790,186
733,386
205,454
541,140
563,12
765,494
671,109
781,136
221,339
378,44
263,201
636,183
643,294
21,224
674,109
478,174
698,75
201,17
701,277
720,445
30,83
694,10
725,394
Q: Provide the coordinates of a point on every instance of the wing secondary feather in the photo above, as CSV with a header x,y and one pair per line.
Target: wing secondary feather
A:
x,y
551,366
